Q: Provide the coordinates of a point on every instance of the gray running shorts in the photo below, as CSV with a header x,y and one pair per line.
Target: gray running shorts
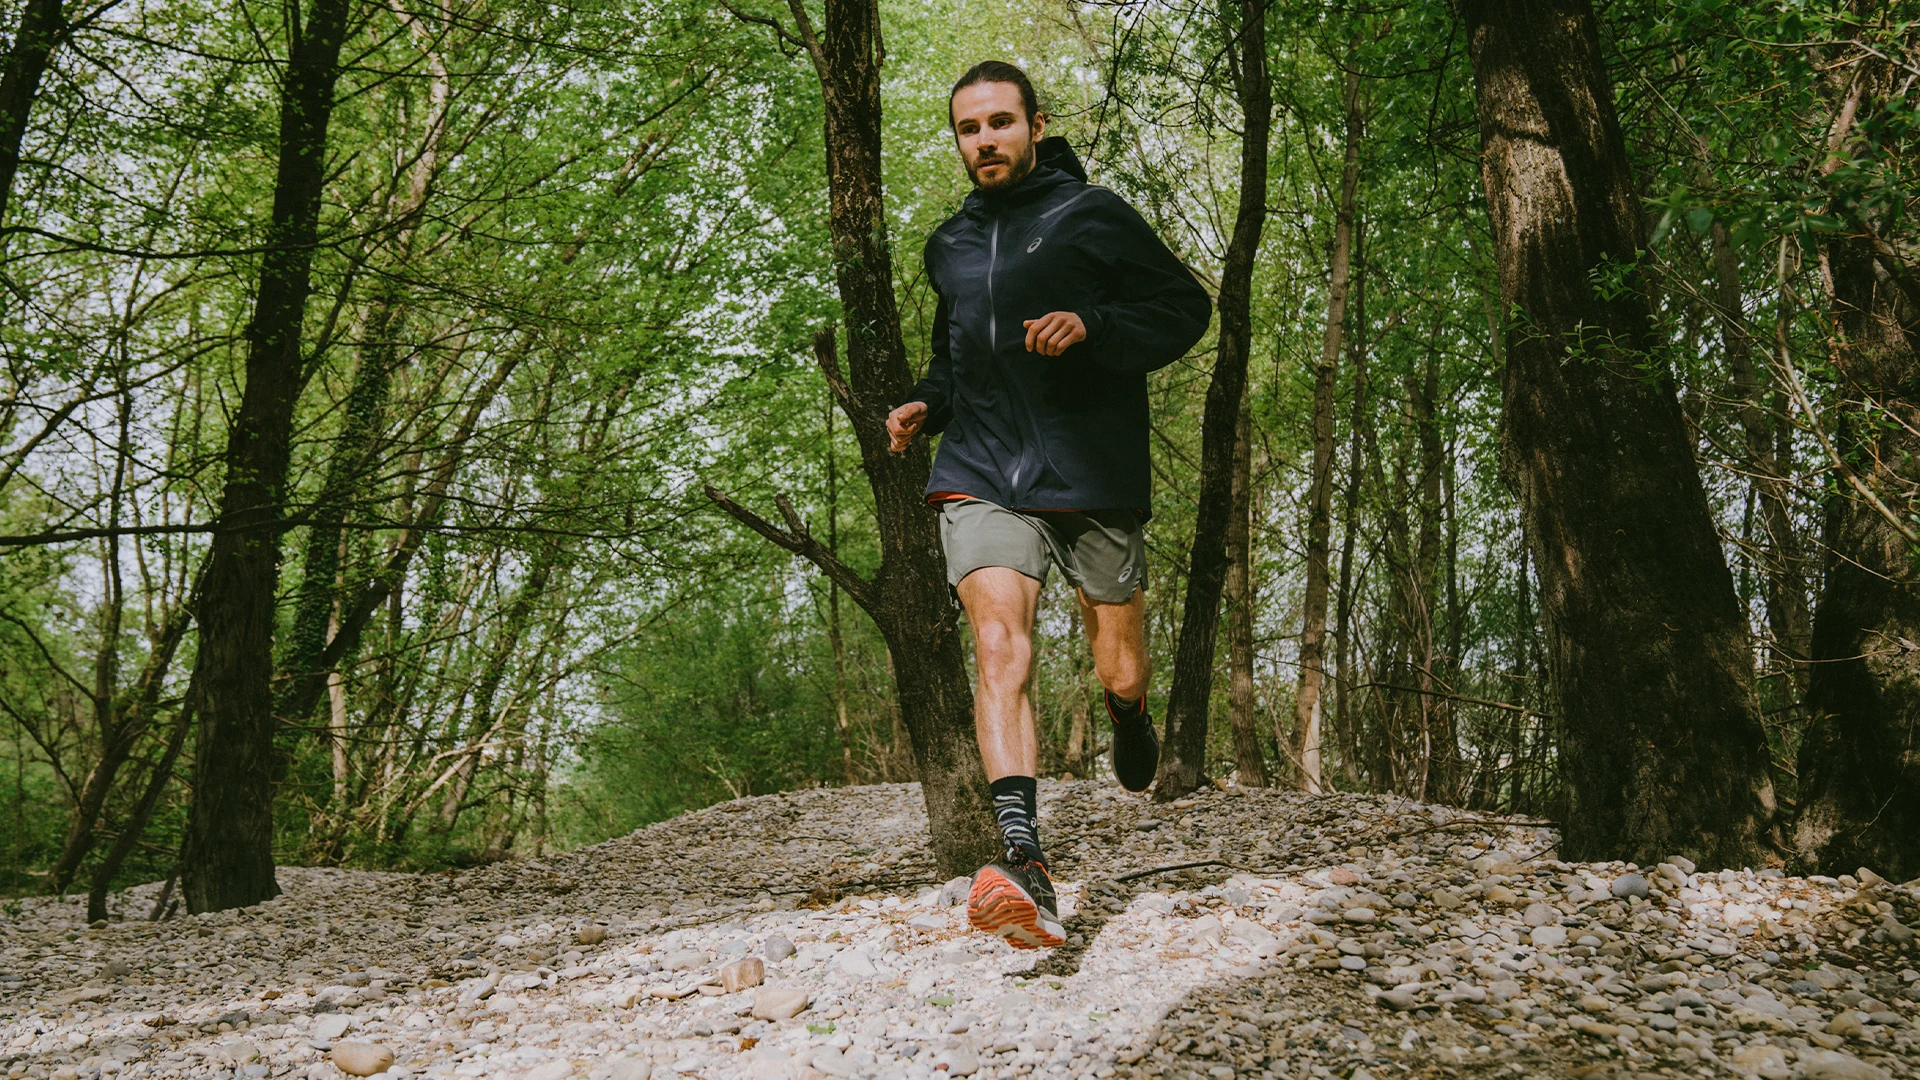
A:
x,y
1101,552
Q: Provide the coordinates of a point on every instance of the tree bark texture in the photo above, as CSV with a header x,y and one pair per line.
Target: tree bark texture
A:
x,y
1183,762
228,858
1247,756
1309,697
908,599
42,25
1662,748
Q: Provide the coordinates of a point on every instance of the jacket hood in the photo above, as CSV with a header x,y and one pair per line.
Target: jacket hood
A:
x,y
1056,151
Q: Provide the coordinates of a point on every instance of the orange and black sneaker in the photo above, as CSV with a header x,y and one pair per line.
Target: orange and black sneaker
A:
x,y
1014,899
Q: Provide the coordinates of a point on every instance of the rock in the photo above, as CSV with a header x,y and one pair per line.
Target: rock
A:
x,y
1549,937
928,922
1595,1004
683,960
1847,1025
361,1058
1343,876
552,1070
1538,914
1399,999
1684,864
1832,1065
1897,932
778,1003
508,941
634,1068
330,1027
1359,915
956,1061
1767,1062
955,891
1353,963
116,969
591,934
1627,885
742,974
79,996
1405,900
1447,899
1500,894
778,948
854,962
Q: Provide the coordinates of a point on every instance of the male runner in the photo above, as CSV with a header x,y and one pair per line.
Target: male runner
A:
x,y
1055,300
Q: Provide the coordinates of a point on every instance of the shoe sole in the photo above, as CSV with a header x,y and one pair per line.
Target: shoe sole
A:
x,y
998,905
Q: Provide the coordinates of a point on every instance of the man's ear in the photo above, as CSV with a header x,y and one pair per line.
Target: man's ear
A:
x,y
1039,126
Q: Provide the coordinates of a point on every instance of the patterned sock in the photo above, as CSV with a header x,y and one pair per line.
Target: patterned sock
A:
x,y
1126,712
1014,799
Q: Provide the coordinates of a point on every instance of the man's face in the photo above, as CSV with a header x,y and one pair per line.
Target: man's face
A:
x,y
997,145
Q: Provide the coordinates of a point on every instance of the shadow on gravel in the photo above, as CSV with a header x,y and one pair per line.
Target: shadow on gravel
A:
x,y
1283,1022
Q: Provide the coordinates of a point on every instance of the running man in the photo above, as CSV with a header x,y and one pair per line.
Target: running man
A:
x,y
1055,301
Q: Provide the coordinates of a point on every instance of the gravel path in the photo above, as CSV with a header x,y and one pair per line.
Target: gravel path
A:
x,y
1345,936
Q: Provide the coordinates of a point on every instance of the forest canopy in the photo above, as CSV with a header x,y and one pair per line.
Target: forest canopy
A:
x,y
389,393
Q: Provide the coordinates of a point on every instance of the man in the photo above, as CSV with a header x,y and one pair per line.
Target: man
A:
x,y
1055,301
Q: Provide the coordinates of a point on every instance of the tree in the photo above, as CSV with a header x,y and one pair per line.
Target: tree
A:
x,y
1183,762
1309,695
1662,749
908,599
228,858
1860,759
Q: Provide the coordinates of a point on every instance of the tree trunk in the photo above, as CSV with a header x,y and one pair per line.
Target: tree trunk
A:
x,y
1248,759
909,599
1662,748
1860,758
42,26
1345,716
136,824
228,859
1182,764
1310,694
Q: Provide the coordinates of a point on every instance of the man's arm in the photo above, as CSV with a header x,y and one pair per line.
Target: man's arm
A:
x,y
933,394
1156,311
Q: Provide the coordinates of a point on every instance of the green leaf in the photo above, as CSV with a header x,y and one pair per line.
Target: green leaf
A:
x,y
1700,219
821,1029
942,1000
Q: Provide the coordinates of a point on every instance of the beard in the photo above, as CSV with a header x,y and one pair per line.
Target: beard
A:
x,y
1017,171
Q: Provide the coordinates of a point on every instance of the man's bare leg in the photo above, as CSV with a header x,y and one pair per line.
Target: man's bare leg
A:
x,y
1117,635
1011,898
1000,604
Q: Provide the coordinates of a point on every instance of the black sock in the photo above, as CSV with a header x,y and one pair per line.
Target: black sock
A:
x,y
1126,712
1014,804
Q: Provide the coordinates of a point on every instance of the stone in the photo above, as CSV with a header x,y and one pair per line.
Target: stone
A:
x,y
591,934
956,1061
1447,899
1353,963
778,1003
635,1068
1343,876
330,1027
928,922
1832,1065
742,974
854,962
683,960
778,948
1684,864
1767,1062
79,996
1627,885
1359,915
955,891
551,1070
1897,932
1399,999
1847,1025
362,1058
1538,914
1500,894
1548,937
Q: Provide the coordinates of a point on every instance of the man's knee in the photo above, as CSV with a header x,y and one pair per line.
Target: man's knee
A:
x,y
1002,651
1124,676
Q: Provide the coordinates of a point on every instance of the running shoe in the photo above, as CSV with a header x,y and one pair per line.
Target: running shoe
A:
x,y
1136,749
1015,900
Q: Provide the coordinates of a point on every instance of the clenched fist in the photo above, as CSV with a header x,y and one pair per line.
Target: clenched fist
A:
x,y
904,423
1052,334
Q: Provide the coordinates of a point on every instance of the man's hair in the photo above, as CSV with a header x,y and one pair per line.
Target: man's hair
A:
x,y
996,71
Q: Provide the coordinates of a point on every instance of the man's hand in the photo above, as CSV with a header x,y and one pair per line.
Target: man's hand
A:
x,y
1052,334
904,423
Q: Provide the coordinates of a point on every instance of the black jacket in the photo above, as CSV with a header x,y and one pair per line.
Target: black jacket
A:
x,y
1065,432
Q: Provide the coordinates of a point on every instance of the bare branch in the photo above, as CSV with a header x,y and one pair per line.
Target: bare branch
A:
x,y
799,540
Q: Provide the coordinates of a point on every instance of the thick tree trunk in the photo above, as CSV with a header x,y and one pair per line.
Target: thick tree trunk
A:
x,y
1247,757
1310,694
1662,748
42,25
908,600
1860,758
1183,762
228,860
